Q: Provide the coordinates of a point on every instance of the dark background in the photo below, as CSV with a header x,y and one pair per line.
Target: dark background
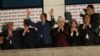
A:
x,y
38,3
0,3
72,2
21,3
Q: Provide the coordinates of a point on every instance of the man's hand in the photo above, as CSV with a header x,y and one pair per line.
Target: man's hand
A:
x,y
1,40
10,34
51,12
26,29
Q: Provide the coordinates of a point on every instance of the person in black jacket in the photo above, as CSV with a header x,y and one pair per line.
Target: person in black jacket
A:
x,y
95,20
95,17
86,32
28,36
11,37
61,34
74,36
44,29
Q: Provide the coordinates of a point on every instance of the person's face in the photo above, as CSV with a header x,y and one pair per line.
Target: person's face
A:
x,y
10,26
42,17
87,19
90,10
61,23
74,24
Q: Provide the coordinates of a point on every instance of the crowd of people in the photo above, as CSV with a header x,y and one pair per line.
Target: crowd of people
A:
x,y
43,35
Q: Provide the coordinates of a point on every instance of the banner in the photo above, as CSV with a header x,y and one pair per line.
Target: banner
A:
x,y
17,16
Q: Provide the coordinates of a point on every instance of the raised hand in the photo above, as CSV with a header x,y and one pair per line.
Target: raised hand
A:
x,y
51,12
27,13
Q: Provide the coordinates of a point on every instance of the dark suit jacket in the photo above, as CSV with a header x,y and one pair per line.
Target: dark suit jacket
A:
x,y
29,39
74,40
44,30
15,40
84,32
95,21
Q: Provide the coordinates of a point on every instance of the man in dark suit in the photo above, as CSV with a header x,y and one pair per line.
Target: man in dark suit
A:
x,y
11,38
86,32
95,17
44,28
28,36
95,20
